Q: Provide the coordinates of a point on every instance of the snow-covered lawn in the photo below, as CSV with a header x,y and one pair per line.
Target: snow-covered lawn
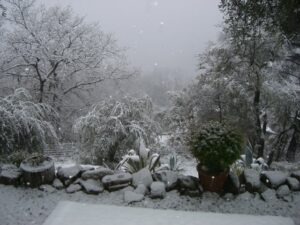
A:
x,y
25,206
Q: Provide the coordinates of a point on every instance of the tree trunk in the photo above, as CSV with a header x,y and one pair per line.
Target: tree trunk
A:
x,y
259,140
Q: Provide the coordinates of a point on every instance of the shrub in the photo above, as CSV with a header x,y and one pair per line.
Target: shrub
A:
x,y
25,125
215,146
114,126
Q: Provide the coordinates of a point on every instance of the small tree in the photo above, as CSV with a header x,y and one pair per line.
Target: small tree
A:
x,y
113,126
25,125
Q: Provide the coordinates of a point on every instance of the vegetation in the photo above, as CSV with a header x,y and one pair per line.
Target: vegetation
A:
x,y
112,127
215,146
25,126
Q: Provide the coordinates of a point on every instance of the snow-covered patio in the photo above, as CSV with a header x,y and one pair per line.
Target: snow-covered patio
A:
x,y
74,213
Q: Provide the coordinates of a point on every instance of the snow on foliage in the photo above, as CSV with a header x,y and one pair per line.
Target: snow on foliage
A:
x,y
114,126
25,125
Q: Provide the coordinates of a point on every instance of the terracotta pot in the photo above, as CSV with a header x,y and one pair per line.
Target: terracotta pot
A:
x,y
213,182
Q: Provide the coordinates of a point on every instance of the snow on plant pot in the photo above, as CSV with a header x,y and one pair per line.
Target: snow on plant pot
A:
x,y
216,147
38,170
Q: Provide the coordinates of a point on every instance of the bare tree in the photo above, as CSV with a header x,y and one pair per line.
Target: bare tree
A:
x,y
55,53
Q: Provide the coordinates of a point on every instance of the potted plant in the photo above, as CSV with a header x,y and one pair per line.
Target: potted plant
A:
x,y
37,170
216,147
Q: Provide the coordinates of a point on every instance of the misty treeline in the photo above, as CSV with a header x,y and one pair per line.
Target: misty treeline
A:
x,y
63,79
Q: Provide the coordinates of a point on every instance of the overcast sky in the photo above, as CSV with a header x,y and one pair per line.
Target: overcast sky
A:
x,y
158,33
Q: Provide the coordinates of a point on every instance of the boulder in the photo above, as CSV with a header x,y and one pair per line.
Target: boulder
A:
x,y
47,188
232,184
10,174
283,191
228,197
141,189
296,174
158,190
73,188
91,186
189,185
245,196
97,174
293,183
142,177
273,179
57,184
169,178
117,181
68,175
130,197
269,195
252,180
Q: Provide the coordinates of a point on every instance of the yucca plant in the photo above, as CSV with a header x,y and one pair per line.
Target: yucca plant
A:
x,y
133,162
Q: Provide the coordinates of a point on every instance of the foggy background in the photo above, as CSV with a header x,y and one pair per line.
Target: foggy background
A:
x,y
166,34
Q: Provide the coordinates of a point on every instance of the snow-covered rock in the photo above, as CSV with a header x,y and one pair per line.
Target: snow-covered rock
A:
x,y
228,197
293,183
142,177
97,174
158,190
273,179
117,181
188,183
232,184
57,184
252,180
169,178
296,174
141,189
47,188
67,175
92,186
130,197
10,174
282,191
245,196
73,188
269,195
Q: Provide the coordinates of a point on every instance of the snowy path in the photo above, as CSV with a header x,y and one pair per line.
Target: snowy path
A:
x,y
72,213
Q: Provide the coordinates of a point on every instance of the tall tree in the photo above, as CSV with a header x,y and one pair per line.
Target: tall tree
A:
x,y
56,53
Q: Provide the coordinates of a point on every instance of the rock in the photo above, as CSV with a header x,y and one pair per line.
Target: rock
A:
x,y
142,177
57,184
97,174
169,178
130,197
10,175
158,190
293,183
283,191
117,181
68,175
252,180
232,184
228,197
127,188
269,195
73,188
47,188
273,179
188,183
91,186
141,189
245,196
296,174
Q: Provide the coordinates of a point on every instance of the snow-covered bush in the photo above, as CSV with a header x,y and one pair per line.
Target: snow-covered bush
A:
x,y
25,125
114,126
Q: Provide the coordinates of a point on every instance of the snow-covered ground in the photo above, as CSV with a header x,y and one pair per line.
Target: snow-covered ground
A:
x,y
25,206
